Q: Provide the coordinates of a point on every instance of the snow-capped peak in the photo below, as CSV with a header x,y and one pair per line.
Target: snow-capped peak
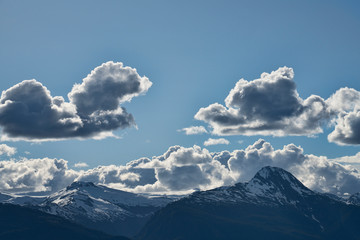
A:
x,y
98,193
277,185
269,186
279,179
275,173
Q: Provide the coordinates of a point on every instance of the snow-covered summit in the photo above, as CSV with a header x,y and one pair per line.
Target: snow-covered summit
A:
x,y
269,186
276,181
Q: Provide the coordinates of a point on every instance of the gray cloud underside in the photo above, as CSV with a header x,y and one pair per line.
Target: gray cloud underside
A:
x,y
271,105
29,112
182,170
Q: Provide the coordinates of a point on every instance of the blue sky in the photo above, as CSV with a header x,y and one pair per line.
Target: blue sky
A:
x,y
192,52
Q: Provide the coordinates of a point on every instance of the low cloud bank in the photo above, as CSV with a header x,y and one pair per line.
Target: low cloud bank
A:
x,y
182,170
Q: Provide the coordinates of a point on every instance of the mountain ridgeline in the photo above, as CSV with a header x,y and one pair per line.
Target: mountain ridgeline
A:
x,y
272,205
97,207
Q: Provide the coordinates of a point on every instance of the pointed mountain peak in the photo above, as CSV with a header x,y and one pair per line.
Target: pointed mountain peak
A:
x,y
274,179
271,186
79,184
268,173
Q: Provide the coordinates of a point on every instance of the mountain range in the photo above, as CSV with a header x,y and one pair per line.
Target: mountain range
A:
x,y
97,207
273,204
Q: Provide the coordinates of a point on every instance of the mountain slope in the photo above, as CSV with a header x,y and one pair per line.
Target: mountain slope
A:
x,y
18,222
273,205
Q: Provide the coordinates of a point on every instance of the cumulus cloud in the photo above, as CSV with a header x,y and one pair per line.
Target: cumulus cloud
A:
x,y
187,169
7,150
182,170
106,87
347,129
344,100
193,130
35,175
29,112
123,177
346,104
213,141
269,105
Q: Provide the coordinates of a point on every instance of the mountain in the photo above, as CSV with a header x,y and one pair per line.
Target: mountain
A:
x,y
97,207
18,222
272,205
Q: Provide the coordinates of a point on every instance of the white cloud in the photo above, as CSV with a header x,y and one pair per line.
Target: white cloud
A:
x,y
344,100
176,170
347,129
345,104
5,149
351,161
355,159
182,170
81,165
35,175
213,141
194,130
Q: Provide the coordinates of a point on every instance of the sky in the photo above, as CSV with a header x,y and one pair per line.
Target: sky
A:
x,y
179,65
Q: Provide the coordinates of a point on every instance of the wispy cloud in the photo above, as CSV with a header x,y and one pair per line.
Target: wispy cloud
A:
x,y
81,165
193,130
